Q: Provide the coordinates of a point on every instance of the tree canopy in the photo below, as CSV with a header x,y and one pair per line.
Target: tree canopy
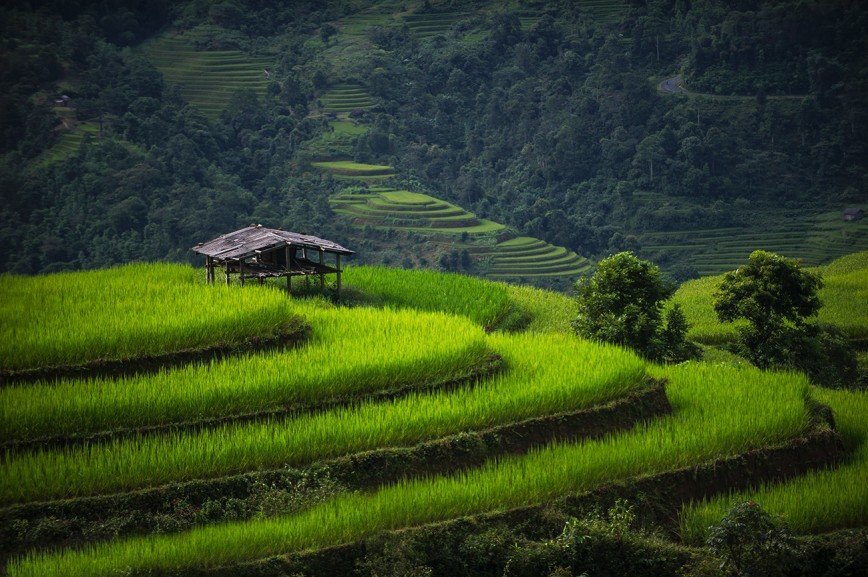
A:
x,y
622,303
777,297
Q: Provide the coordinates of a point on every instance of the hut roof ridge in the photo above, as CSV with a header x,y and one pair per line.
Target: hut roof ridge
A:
x,y
248,241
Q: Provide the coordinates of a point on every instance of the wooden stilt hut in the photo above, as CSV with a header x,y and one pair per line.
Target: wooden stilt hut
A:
x,y
257,253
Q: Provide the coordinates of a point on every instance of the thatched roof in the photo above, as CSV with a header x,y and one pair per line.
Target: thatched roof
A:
x,y
249,241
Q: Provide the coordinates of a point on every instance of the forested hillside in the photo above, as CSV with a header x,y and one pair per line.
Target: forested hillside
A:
x,y
690,132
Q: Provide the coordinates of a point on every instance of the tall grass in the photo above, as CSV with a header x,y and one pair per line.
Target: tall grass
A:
x,y
817,502
481,301
547,374
350,352
844,296
549,311
126,312
718,411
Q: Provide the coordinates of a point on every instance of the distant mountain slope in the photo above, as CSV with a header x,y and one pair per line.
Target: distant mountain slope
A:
x,y
207,77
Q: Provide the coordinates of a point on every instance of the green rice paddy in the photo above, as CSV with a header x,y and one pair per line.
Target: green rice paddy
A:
x,y
814,503
428,24
813,237
68,143
545,375
128,312
388,208
604,11
208,78
480,301
528,257
716,413
354,169
372,359
345,98
718,410
844,296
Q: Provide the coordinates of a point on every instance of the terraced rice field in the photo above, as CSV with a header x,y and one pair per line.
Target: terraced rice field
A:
x,y
389,208
815,503
518,259
544,378
844,296
68,143
605,11
428,24
345,98
360,23
349,170
207,78
142,311
527,257
814,239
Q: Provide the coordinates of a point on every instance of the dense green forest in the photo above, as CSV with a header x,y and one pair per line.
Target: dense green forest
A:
x,y
543,116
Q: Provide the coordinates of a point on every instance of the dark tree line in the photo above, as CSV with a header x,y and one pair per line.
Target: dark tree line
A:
x,y
552,129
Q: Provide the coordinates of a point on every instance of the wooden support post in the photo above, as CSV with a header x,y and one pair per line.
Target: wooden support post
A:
x,y
208,269
227,273
261,280
321,274
241,271
338,267
288,271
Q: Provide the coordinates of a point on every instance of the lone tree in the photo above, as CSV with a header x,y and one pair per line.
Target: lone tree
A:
x,y
777,297
622,303
752,543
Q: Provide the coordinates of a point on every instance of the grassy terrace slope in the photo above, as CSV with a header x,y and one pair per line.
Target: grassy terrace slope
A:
x,y
404,210
68,143
370,361
427,24
717,411
744,416
345,98
584,374
530,257
355,170
127,312
844,296
604,11
813,238
818,502
517,259
207,78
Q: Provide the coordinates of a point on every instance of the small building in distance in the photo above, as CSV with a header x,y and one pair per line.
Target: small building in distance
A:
x,y
257,253
853,213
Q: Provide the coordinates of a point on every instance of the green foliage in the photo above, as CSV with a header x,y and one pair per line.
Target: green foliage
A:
x,y
769,291
776,296
844,296
817,502
371,361
622,303
536,385
674,337
128,312
751,543
718,411
485,303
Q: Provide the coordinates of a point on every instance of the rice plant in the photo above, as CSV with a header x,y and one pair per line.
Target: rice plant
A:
x,y
844,296
127,312
350,352
814,503
718,411
546,375
481,301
